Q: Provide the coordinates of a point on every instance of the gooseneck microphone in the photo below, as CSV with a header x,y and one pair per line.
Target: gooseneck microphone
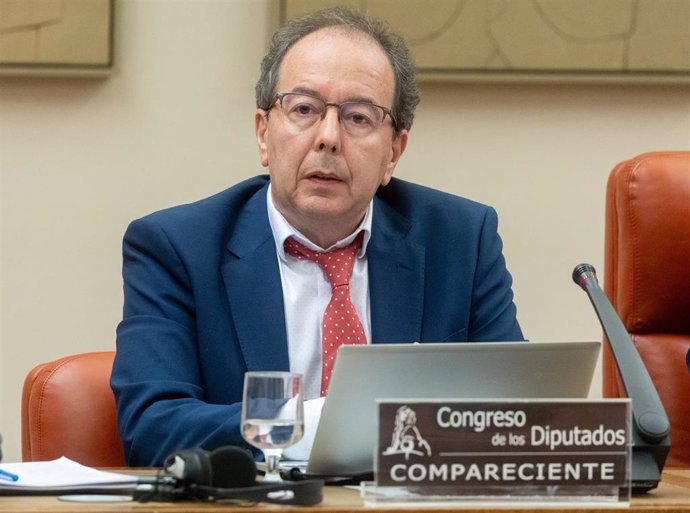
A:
x,y
648,412
650,423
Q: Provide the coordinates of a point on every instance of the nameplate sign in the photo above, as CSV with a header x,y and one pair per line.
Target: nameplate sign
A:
x,y
506,447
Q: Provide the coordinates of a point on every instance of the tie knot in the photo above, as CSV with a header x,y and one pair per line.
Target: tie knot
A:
x,y
335,264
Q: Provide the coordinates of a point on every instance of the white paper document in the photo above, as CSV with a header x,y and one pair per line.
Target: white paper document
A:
x,y
59,475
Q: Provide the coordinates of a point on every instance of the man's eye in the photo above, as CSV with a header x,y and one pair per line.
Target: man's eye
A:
x,y
358,118
304,109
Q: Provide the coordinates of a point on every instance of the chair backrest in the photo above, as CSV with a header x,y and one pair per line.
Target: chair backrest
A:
x,y
647,279
68,409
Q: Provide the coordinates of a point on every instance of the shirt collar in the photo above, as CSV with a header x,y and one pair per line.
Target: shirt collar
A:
x,y
282,229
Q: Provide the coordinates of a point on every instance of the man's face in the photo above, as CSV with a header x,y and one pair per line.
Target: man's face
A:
x,y
322,177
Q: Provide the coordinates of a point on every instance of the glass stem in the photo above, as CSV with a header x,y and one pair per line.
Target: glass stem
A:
x,y
272,457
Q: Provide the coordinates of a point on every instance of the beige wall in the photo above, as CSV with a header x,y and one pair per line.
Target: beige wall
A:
x,y
82,157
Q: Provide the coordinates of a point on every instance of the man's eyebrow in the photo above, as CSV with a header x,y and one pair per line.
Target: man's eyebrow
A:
x,y
361,99
308,91
312,92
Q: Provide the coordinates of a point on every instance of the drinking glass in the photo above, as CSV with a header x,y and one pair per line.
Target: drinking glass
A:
x,y
272,415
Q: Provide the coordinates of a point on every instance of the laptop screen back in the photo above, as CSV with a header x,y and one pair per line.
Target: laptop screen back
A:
x,y
346,435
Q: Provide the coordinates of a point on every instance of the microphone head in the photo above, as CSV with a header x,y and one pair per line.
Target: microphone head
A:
x,y
580,271
232,467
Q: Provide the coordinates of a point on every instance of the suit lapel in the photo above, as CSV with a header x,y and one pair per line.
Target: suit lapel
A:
x,y
396,278
253,287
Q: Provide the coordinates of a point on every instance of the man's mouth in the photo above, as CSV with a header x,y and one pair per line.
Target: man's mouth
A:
x,y
324,177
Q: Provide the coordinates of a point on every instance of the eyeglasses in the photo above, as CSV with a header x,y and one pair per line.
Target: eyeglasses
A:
x,y
359,119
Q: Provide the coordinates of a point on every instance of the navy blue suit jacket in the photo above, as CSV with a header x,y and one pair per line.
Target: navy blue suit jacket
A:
x,y
204,303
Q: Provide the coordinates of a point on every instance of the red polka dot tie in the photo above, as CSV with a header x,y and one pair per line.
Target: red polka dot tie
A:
x,y
340,324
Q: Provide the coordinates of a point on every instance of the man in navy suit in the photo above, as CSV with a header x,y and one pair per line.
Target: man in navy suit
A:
x,y
210,291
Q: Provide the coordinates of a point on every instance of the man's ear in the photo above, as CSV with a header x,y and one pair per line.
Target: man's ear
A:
x,y
260,129
397,149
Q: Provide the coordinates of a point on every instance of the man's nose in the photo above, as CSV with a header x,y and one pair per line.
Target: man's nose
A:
x,y
329,131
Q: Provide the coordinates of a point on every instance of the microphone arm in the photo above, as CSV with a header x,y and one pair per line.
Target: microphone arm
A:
x,y
651,426
648,412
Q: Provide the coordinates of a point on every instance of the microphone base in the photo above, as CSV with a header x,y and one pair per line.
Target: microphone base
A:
x,y
647,464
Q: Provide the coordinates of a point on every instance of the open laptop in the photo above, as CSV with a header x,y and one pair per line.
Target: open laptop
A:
x,y
347,431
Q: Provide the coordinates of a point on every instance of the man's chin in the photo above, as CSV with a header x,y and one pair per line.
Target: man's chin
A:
x,y
326,210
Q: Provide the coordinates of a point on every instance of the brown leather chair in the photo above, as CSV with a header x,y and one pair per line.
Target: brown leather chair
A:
x,y
68,409
647,279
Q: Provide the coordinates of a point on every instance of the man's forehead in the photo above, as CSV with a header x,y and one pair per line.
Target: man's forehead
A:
x,y
335,38
341,52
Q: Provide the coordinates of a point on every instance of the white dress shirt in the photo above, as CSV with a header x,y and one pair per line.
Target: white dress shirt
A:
x,y
306,293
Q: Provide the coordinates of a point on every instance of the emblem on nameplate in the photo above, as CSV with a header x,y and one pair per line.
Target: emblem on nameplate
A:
x,y
406,438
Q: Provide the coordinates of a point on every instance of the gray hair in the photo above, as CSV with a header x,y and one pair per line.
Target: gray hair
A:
x,y
406,93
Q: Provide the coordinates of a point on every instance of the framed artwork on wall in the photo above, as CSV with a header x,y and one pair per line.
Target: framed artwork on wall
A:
x,y
587,40
56,36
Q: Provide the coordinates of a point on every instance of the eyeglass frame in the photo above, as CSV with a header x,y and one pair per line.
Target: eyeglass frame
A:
x,y
279,98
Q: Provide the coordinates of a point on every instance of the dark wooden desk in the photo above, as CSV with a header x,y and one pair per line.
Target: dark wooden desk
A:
x,y
672,495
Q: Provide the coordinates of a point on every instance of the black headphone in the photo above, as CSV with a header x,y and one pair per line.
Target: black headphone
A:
x,y
224,474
